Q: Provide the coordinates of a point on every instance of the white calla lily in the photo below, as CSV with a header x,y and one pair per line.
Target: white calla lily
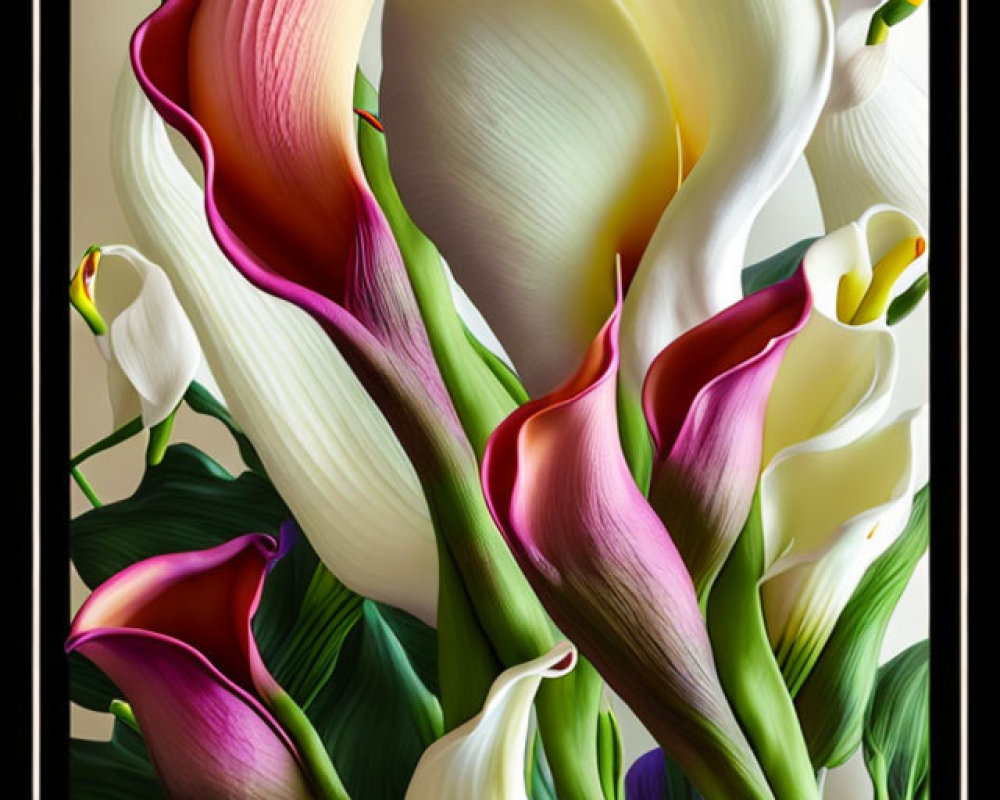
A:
x,y
763,70
327,448
484,757
836,490
150,347
871,143
533,142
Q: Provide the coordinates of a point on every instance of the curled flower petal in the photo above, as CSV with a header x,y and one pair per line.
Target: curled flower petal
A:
x,y
752,78
705,398
287,385
484,757
830,515
151,349
532,142
607,571
173,632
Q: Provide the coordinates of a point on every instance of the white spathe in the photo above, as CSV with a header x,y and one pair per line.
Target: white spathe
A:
x,y
836,489
150,347
484,757
871,143
327,448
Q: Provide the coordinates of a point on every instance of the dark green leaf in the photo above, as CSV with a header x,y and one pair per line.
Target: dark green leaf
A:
x,y
776,268
418,640
118,769
374,715
305,660
832,701
904,303
201,401
187,502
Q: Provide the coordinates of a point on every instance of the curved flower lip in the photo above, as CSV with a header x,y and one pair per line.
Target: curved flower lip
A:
x,y
125,605
775,317
169,95
501,455
853,249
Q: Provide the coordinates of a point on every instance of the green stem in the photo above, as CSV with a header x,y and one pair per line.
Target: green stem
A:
x,y
85,487
749,672
159,438
126,431
123,712
309,745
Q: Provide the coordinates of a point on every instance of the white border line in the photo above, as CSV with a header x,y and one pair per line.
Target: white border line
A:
x,y
36,549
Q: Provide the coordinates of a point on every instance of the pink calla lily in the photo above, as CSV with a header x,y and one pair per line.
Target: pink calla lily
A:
x,y
173,632
705,399
609,573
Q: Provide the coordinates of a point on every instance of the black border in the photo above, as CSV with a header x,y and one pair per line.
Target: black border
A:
x,y
54,393
945,360
945,357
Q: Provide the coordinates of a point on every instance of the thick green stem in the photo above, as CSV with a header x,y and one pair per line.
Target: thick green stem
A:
x,y
749,672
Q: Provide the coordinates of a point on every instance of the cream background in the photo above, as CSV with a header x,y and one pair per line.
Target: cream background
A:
x,y
100,31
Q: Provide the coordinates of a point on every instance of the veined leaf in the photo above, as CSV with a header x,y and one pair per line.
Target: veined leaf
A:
x,y
374,715
832,701
897,727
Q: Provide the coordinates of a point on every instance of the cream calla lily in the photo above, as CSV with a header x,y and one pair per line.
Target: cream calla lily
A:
x,y
871,143
150,347
835,490
534,141
484,757
325,445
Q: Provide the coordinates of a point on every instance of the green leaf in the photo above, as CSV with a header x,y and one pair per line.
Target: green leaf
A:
x,y
187,502
88,686
776,268
374,715
832,701
119,768
201,401
538,777
418,640
304,662
609,755
897,726
480,396
904,303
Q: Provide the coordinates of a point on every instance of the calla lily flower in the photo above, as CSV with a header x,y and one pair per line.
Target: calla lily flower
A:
x,y
142,331
871,143
327,448
535,141
836,490
484,757
606,569
173,632
705,398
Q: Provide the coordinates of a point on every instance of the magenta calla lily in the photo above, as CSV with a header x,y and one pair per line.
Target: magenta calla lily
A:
x,y
705,399
608,572
173,632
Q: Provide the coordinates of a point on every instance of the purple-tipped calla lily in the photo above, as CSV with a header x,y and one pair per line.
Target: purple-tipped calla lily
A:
x,y
705,399
173,632
606,569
